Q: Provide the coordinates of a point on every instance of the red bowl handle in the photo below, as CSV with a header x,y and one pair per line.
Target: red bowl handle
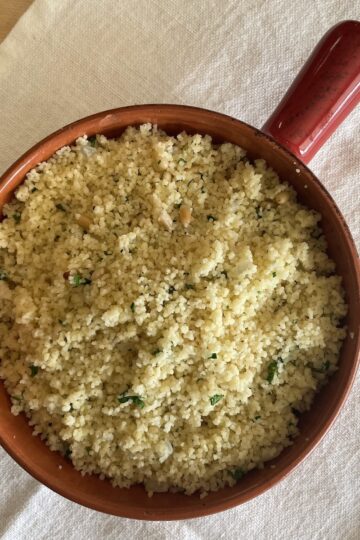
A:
x,y
322,95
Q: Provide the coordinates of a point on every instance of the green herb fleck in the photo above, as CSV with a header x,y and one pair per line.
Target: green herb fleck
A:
x,y
16,398
213,356
156,352
272,371
216,398
211,218
274,274
61,207
77,280
132,307
257,417
135,399
237,474
171,289
71,407
17,217
325,366
189,286
34,189
34,370
92,140
3,275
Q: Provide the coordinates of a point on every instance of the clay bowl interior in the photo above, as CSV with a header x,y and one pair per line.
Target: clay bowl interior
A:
x,y
32,453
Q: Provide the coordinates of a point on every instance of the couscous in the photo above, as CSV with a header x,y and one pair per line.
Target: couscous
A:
x,y
166,309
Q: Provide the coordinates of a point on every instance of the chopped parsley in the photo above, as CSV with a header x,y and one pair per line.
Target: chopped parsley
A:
x,y
92,140
325,366
237,474
272,371
156,352
135,399
17,217
209,217
189,286
3,275
213,356
216,398
78,280
34,189
132,307
274,274
34,370
60,207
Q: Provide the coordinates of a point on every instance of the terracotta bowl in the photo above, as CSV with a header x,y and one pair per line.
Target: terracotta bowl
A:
x,y
56,472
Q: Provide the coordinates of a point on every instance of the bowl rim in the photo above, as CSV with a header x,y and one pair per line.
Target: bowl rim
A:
x,y
129,511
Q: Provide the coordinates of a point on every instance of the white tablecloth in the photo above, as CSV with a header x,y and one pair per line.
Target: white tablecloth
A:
x,y
68,58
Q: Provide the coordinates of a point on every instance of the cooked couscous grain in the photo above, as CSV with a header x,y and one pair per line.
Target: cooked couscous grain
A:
x,y
166,307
